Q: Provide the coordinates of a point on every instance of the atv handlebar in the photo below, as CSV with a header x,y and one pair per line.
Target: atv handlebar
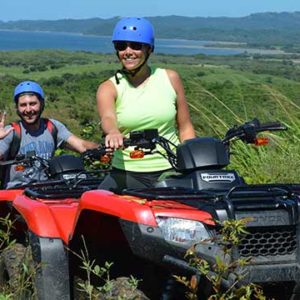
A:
x,y
272,126
94,154
248,131
25,159
145,141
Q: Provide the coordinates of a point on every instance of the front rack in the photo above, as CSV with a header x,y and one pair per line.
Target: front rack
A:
x,y
240,198
61,189
249,192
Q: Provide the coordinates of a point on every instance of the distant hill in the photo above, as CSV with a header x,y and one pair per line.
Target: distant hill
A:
x,y
261,28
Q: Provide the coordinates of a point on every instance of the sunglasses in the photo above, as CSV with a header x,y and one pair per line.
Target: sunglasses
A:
x,y
121,46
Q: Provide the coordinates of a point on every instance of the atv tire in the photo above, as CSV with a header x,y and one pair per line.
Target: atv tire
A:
x,y
13,260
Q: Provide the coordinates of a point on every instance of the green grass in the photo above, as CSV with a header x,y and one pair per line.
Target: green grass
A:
x,y
221,91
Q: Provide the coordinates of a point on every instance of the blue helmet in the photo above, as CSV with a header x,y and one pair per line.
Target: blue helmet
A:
x,y
134,30
28,87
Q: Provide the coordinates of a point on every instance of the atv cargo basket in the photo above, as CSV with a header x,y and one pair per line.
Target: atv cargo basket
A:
x,y
60,189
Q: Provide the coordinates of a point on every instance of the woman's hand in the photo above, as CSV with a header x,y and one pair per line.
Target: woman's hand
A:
x,y
114,140
4,132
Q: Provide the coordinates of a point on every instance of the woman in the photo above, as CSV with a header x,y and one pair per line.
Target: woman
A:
x,y
136,98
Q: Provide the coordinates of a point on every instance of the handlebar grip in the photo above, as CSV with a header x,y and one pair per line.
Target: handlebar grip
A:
x,y
94,153
127,143
247,131
272,126
141,138
18,159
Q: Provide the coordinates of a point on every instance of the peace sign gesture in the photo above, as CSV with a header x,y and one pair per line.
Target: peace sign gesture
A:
x,y
4,132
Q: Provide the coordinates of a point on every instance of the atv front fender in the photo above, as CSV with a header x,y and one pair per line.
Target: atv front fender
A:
x,y
52,268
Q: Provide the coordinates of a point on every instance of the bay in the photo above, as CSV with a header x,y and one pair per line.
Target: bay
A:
x,y
27,40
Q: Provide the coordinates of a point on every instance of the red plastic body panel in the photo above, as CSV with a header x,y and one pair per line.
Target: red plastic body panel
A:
x,y
52,219
120,206
57,218
9,195
139,210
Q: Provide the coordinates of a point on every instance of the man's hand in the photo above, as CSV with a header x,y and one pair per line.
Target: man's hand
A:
x,y
4,132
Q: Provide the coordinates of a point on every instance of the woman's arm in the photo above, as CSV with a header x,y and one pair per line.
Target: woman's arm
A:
x,y
106,97
184,123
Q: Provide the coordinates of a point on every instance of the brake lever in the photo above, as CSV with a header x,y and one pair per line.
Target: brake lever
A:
x,y
94,154
19,158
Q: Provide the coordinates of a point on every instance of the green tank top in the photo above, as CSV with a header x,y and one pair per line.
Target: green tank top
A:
x,y
151,105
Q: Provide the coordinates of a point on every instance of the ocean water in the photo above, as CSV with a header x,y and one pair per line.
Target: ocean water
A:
x,y
27,40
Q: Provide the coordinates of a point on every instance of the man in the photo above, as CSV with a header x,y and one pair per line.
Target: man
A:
x,y
33,133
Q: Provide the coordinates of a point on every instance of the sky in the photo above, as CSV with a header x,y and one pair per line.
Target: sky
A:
x,y
11,10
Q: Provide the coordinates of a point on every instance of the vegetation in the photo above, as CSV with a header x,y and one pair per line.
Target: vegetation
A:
x,y
99,285
221,91
18,272
224,275
16,267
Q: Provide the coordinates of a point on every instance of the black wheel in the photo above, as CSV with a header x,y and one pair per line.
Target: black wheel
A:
x,y
16,270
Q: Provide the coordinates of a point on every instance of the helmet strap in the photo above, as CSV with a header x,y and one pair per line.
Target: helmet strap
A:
x,y
131,72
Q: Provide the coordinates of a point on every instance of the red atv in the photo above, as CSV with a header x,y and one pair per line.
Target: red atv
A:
x,y
150,230
44,222
146,232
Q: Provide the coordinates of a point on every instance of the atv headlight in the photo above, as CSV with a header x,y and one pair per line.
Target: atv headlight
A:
x,y
182,231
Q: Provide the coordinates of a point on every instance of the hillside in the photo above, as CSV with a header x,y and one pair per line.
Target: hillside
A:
x,y
257,29
221,92
71,78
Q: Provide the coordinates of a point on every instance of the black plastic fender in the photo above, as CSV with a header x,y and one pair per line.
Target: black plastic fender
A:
x,y
52,279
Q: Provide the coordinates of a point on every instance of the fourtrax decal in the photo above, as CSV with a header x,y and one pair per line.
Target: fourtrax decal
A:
x,y
212,177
